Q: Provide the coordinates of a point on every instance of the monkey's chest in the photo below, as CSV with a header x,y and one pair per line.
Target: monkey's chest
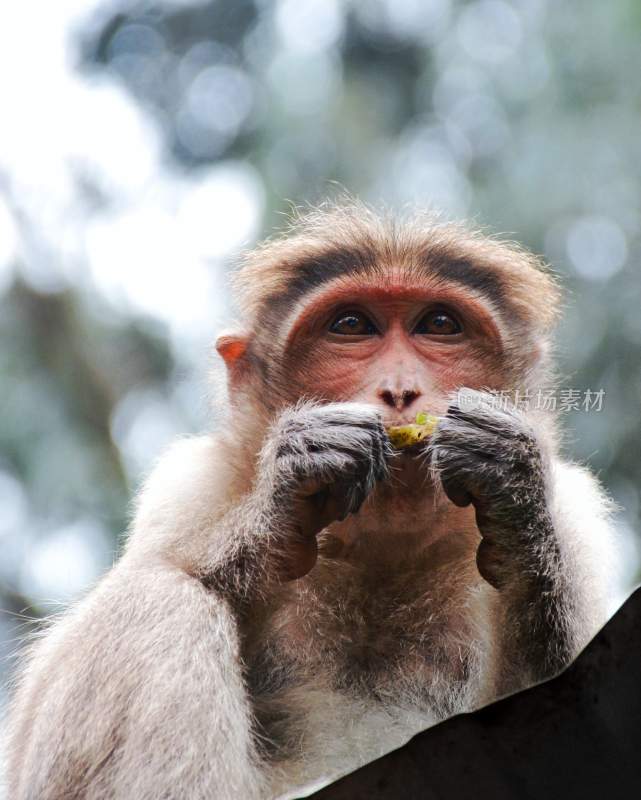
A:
x,y
378,649
338,683
331,734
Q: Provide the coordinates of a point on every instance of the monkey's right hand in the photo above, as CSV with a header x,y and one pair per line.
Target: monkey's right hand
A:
x,y
321,462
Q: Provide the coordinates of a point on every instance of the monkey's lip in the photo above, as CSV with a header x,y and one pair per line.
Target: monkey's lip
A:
x,y
412,450
397,422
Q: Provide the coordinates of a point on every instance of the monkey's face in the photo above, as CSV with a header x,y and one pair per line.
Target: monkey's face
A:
x,y
351,308
400,344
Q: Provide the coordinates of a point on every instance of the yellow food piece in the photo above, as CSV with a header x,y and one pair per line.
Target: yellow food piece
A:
x,y
406,435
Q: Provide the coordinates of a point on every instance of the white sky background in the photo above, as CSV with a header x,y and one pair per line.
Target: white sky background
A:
x,y
159,248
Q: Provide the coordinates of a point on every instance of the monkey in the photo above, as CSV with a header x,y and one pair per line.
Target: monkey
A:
x,y
294,597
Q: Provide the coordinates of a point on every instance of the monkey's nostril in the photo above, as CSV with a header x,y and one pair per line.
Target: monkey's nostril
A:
x,y
409,396
388,397
399,400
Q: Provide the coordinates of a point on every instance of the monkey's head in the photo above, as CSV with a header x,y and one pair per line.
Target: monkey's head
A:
x,y
350,306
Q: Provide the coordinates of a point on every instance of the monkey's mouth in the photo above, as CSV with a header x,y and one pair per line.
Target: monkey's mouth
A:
x,y
394,422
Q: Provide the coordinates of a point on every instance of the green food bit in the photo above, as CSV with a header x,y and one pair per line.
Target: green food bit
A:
x,y
402,436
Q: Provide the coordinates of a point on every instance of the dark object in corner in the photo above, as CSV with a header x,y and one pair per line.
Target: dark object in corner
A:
x,y
576,736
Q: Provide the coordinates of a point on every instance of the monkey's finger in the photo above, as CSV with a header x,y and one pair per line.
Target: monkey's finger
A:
x,y
345,498
484,413
311,513
321,503
466,475
458,435
492,564
455,491
369,461
383,455
313,489
337,505
369,469
370,457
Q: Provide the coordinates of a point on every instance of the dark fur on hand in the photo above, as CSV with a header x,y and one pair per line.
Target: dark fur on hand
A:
x,y
489,455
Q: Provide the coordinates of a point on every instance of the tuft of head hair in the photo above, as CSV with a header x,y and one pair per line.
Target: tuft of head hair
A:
x,y
383,239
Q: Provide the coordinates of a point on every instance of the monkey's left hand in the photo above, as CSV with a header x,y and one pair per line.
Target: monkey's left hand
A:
x,y
489,456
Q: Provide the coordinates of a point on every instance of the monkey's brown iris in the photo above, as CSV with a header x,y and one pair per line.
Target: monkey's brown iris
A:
x,y
353,323
439,323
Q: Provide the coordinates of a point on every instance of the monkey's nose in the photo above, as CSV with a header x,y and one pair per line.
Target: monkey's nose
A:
x,y
399,400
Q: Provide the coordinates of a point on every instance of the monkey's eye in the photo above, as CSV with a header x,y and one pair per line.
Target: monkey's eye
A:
x,y
353,323
439,323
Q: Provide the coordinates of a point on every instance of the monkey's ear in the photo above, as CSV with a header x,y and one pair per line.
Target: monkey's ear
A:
x,y
232,348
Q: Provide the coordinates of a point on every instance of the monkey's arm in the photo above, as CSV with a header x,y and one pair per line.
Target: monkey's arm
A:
x,y
546,538
138,691
318,464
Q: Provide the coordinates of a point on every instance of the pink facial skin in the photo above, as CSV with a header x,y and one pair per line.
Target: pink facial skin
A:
x,y
397,369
